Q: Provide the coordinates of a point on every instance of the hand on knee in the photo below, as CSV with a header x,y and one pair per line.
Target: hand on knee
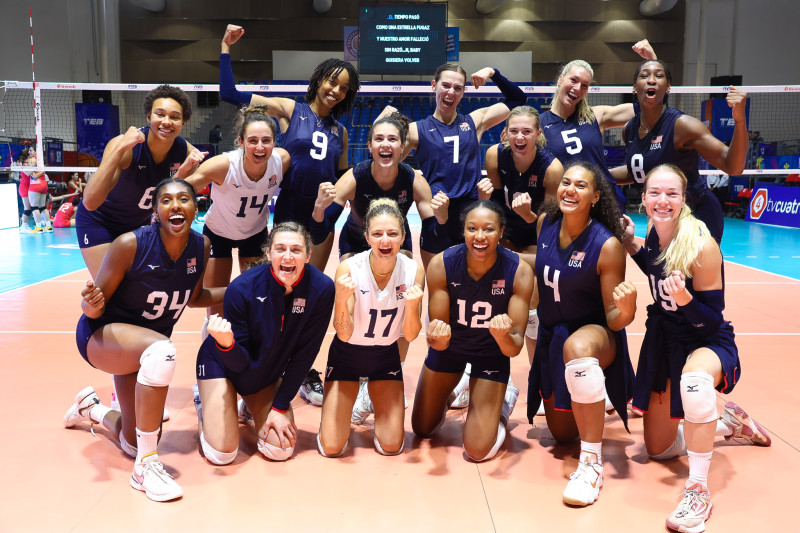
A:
x,y
157,364
585,380
215,456
274,453
698,397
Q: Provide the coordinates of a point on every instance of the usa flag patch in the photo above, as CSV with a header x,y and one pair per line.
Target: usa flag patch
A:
x,y
657,139
191,265
499,284
578,256
400,289
299,302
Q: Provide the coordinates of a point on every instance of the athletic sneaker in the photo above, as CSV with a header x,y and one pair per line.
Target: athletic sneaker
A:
x,y
242,412
198,405
743,426
695,508
37,229
47,229
585,483
79,412
115,407
363,406
510,400
150,477
311,388
462,393
24,228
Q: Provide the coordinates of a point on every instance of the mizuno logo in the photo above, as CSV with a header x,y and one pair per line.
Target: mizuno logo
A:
x,y
303,118
261,298
432,129
153,267
363,291
142,166
580,374
544,245
237,186
367,196
170,357
547,126
691,388
394,373
454,284
490,372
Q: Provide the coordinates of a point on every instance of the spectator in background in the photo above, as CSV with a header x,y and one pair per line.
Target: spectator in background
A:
x,y
75,183
718,184
215,137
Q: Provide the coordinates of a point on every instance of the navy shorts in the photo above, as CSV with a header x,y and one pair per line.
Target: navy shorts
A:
x,y
93,233
351,242
250,381
84,332
293,206
222,248
489,367
349,362
453,228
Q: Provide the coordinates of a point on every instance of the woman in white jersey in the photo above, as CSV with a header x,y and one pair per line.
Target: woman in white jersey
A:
x,y
243,183
378,297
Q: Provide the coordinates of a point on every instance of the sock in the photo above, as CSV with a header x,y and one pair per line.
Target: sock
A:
x,y
699,463
98,413
146,443
593,447
723,429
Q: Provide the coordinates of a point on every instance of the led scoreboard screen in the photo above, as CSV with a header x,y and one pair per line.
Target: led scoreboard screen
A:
x,y
402,38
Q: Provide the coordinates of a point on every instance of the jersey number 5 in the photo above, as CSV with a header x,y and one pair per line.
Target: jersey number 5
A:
x,y
575,141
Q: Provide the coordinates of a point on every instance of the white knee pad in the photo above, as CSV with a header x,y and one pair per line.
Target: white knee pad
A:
x,y
532,331
214,456
273,453
698,397
157,364
334,456
501,437
128,448
384,452
585,380
675,449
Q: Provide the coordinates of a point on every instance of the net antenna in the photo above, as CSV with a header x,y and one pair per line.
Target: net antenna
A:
x,y
37,103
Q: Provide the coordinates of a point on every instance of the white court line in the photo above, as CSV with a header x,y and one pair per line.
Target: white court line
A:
x,y
72,332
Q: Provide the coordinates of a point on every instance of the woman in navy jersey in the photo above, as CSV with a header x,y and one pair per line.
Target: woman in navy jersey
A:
x,y
384,176
478,308
378,299
447,145
688,352
584,305
661,134
574,129
312,133
118,197
276,316
244,181
147,278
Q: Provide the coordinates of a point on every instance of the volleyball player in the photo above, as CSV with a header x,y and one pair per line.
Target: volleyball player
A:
x,y
661,134
24,183
276,316
378,299
585,304
148,277
382,176
447,145
243,183
478,308
688,352
574,129
312,133
37,196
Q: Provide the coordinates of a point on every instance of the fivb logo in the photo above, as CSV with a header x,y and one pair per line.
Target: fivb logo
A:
x,y
759,204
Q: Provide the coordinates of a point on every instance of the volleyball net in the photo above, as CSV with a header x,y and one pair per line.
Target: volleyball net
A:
x,y
78,119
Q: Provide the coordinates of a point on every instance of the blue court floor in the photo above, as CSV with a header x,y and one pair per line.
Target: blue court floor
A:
x,y
26,259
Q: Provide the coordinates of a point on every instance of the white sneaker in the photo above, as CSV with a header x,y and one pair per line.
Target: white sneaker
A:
x,y
79,412
114,405
462,393
198,405
585,483
692,512
311,389
510,400
150,477
363,406
242,412
744,428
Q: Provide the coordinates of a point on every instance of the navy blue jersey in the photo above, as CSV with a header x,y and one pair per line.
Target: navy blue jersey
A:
x,y
129,205
658,147
155,289
449,156
574,139
367,190
276,334
530,181
315,145
567,279
473,303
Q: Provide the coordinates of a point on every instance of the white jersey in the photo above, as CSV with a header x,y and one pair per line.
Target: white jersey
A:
x,y
378,314
240,206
